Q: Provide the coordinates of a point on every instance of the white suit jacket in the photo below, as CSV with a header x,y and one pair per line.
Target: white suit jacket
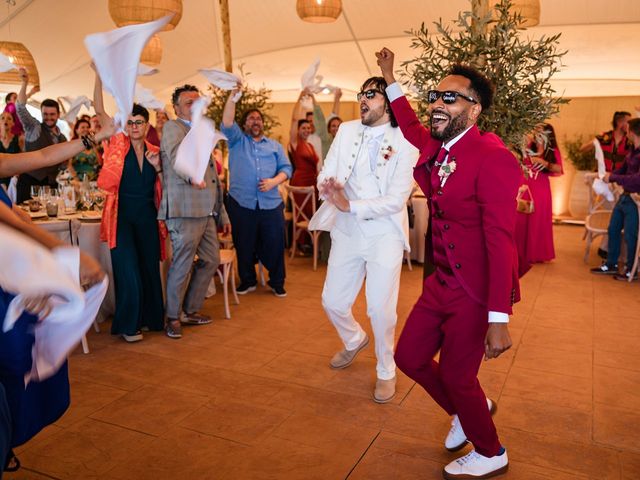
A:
x,y
395,174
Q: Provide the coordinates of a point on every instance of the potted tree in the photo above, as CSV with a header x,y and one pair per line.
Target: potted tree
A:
x,y
584,163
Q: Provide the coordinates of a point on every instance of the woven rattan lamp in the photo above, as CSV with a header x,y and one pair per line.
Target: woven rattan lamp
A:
x,y
130,12
319,11
20,57
152,53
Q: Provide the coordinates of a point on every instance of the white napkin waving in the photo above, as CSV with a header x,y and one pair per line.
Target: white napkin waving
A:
x,y
310,78
194,153
222,80
6,64
599,186
146,70
116,55
30,270
74,106
146,98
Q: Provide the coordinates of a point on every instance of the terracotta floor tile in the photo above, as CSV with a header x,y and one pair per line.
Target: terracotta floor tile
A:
x,y
182,454
543,359
619,388
560,390
276,459
299,368
617,360
85,450
559,454
86,398
615,427
544,418
25,474
151,409
237,421
379,464
630,463
571,340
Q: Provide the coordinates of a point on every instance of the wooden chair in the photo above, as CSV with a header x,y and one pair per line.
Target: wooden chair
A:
x,y
227,261
300,220
596,225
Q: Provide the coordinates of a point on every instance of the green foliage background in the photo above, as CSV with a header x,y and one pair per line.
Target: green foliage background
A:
x,y
520,68
251,98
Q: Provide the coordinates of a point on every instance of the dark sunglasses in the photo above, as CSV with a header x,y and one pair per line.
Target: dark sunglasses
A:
x,y
368,94
137,123
448,97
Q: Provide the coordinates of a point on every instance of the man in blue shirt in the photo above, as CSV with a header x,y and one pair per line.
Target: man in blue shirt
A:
x,y
257,165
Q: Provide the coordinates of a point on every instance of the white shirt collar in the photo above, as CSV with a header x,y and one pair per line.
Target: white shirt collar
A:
x,y
447,146
377,131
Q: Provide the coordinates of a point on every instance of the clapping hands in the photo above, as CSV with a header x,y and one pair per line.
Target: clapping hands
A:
x,y
333,191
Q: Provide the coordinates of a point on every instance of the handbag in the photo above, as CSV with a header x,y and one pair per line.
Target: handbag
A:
x,y
524,205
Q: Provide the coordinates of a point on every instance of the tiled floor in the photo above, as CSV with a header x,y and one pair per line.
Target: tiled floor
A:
x,y
253,398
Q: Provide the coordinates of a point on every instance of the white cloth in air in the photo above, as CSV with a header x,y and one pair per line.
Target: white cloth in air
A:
x,y
599,185
223,80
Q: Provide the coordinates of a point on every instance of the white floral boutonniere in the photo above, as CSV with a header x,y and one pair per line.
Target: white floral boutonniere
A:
x,y
387,152
445,171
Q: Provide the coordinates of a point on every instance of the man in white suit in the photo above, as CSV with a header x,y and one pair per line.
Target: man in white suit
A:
x,y
366,181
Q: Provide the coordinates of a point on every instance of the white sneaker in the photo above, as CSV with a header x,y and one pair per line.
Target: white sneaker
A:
x,y
456,438
474,465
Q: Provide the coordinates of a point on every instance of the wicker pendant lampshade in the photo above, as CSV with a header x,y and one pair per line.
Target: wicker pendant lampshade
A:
x,y
319,11
152,53
130,12
20,57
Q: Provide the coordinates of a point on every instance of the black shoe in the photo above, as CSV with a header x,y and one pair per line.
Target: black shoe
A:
x,y
602,254
605,269
279,291
245,288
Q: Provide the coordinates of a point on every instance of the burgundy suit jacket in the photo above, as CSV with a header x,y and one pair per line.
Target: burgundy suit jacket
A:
x,y
476,209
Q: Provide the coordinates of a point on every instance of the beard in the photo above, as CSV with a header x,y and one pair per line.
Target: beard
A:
x,y
455,127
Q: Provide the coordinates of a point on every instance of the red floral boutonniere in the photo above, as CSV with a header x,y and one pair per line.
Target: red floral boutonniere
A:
x,y
445,171
387,152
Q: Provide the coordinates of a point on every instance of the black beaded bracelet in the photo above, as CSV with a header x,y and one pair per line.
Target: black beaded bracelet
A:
x,y
88,142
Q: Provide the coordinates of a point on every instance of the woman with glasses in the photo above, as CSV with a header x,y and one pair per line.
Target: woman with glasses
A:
x,y
130,176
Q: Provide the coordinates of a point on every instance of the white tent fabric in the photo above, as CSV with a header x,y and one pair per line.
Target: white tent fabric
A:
x,y
275,45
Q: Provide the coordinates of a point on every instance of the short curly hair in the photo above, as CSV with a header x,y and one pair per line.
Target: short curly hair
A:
x,y
184,88
480,84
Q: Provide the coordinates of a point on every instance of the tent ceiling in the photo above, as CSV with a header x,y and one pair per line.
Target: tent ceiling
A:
x,y
276,46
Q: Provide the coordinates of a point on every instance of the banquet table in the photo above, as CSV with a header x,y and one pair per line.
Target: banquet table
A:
x,y
83,229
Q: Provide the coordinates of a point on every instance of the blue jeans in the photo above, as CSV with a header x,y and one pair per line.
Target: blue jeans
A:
x,y
624,216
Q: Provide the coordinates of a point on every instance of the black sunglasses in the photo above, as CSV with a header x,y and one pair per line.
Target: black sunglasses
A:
x,y
368,93
448,97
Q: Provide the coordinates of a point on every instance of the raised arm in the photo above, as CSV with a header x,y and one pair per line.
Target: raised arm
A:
x,y
17,163
296,115
229,112
335,111
28,122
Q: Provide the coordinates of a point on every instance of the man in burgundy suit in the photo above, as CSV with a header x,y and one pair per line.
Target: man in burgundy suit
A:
x,y
470,182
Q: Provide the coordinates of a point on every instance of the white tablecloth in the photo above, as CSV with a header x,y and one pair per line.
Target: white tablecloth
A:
x,y
419,230
89,242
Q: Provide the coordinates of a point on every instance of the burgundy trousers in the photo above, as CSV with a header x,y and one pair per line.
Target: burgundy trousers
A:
x,y
447,319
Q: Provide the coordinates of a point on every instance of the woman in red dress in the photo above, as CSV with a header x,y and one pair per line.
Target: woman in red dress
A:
x,y
305,162
535,230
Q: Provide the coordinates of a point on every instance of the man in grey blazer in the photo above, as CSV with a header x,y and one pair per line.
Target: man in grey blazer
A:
x,y
192,213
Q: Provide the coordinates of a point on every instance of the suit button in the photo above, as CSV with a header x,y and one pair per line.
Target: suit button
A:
x,y
446,226
211,164
442,282
439,192
458,266
451,246
441,213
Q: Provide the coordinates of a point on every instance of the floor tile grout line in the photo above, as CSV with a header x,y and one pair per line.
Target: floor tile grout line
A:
x,y
363,454
121,426
44,474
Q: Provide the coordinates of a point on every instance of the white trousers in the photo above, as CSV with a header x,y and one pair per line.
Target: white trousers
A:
x,y
379,258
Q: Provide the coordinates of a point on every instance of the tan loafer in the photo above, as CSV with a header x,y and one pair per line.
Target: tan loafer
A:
x,y
346,357
385,390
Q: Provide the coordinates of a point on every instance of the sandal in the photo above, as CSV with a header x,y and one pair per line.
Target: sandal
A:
x,y
173,331
194,319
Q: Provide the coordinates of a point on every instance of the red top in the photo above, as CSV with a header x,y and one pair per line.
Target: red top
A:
x,y
472,217
115,151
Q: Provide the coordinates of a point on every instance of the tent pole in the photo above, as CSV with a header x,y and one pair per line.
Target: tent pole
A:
x,y
226,34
